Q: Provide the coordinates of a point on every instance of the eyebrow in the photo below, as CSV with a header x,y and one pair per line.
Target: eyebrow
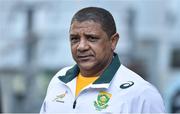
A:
x,y
86,34
91,34
74,35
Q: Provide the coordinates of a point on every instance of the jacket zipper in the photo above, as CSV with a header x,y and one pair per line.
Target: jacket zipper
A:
x,y
74,104
75,101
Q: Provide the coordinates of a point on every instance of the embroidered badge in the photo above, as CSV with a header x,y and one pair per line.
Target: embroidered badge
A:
x,y
102,100
59,98
127,85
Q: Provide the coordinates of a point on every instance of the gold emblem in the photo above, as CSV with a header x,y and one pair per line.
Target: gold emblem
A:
x,y
102,100
59,98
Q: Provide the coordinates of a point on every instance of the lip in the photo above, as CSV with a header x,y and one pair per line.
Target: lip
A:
x,y
84,57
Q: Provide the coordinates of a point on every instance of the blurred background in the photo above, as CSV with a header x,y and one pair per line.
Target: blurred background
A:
x,y
34,45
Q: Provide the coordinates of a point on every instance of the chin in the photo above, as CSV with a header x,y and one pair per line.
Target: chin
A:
x,y
86,66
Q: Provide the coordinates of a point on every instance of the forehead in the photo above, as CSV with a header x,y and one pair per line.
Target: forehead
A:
x,y
85,26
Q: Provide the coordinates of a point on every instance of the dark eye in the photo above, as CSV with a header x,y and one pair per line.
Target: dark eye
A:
x,y
92,39
74,40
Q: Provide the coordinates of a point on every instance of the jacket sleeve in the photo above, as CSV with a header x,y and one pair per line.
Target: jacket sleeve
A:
x,y
147,101
152,102
43,108
54,81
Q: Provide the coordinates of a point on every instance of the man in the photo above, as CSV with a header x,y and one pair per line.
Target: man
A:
x,y
98,82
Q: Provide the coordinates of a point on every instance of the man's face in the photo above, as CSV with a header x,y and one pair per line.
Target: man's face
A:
x,y
91,48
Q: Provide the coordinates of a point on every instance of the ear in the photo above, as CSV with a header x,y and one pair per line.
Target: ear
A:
x,y
114,40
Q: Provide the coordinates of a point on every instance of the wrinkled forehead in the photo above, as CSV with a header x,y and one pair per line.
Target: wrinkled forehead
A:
x,y
85,26
86,21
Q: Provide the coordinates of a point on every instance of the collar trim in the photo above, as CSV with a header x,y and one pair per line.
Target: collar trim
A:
x,y
70,74
110,71
103,80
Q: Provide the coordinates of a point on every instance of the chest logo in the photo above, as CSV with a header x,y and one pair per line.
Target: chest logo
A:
x,y
127,84
102,100
59,98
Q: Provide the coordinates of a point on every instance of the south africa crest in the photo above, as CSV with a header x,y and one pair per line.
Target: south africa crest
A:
x,y
102,100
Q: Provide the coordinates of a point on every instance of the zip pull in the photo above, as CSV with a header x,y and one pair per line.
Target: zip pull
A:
x,y
74,104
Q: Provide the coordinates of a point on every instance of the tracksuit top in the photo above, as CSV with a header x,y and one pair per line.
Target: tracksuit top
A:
x,y
117,90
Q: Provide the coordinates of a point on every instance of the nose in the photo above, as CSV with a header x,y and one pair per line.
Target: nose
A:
x,y
83,45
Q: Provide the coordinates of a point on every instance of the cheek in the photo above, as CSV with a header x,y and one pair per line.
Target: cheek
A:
x,y
101,50
105,52
104,47
73,50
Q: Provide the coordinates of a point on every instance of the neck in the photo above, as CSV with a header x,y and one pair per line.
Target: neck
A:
x,y
96,71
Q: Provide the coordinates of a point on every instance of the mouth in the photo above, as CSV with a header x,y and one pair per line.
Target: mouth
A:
x,y
84,57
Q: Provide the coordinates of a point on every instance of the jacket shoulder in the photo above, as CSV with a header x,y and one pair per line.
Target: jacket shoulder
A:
x,y
132,84
62,72
55,79
141,91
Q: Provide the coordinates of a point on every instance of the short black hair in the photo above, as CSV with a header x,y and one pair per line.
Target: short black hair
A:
x,y
99,15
